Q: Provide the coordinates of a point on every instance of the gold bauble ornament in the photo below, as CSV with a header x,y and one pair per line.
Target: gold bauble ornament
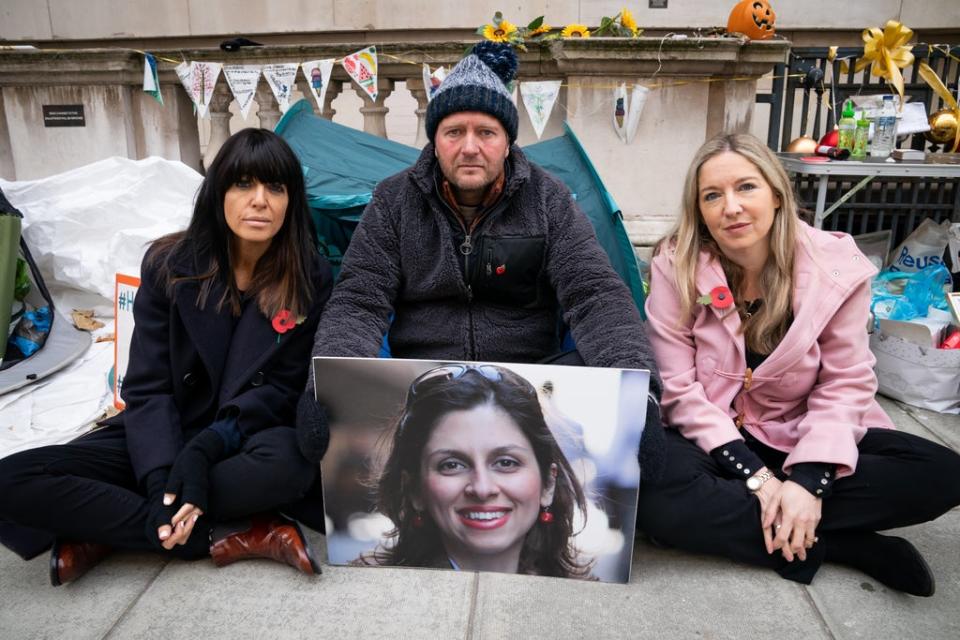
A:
x,y
803,144
943,128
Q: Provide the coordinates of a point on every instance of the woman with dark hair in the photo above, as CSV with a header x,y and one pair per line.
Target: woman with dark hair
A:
x,y
476,481
204,452
779,453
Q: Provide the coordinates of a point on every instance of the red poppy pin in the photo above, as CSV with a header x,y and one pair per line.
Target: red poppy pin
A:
x,y
720,297
285,320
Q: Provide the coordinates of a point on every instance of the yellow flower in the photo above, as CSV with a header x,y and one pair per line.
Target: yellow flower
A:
x,y
626,19
544,28
575,31
501,33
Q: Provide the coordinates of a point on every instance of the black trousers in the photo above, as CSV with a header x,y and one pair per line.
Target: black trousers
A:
x,y
85,491
900,480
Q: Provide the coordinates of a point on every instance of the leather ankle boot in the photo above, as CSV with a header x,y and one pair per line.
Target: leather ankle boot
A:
x,y
70,560
264,536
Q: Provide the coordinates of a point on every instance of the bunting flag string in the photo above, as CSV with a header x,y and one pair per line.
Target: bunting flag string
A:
x,y
432,79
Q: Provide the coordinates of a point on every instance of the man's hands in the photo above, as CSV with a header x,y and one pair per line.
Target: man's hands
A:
x,y
789,515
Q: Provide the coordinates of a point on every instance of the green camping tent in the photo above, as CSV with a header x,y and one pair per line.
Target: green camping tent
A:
x,y
342,166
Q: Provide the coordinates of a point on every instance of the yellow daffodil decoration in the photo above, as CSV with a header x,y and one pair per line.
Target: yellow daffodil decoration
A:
x,y
575,31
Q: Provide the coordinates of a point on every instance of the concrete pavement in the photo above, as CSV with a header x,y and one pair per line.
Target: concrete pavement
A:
x,y
671,595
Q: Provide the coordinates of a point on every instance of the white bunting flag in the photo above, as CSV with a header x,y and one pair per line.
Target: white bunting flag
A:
x,y
281,78
204,80
362,67
317,74
627,110
620,111
432,79
185,73
242,80
638,98
539,98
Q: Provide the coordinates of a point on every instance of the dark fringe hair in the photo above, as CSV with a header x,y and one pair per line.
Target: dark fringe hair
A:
x,y
282,276
547,550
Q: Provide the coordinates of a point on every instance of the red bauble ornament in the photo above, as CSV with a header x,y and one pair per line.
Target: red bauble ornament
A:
x,y
830,139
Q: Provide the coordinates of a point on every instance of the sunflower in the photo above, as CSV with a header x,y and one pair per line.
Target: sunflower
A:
x,y
499,33
628,22
575,31
539,31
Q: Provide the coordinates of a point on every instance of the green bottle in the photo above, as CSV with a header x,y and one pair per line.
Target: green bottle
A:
x,y
860,138
847,126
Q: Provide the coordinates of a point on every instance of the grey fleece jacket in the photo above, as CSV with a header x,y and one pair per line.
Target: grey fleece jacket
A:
x,y
533,255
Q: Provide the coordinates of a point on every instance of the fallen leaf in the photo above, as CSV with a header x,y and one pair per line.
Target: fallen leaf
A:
x,y
83,320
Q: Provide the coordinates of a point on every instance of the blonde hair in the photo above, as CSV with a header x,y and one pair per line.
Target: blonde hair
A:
x,y
765,328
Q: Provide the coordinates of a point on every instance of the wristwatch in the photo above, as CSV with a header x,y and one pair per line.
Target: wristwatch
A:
x,y
756,481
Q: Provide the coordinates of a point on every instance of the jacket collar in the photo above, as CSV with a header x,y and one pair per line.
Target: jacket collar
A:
x,y
826,263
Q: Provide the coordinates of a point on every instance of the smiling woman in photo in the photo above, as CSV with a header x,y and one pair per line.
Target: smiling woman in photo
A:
x,y
475,480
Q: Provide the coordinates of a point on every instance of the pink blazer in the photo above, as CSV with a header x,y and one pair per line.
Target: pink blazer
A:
x,y
813,397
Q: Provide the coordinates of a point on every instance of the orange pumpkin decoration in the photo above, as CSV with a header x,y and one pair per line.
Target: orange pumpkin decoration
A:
x,y
753,18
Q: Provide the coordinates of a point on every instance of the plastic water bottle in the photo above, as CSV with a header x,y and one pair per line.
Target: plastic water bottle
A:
x,y
860,140
885,136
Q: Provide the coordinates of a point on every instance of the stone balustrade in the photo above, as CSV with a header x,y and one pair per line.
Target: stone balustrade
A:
x,y
700,87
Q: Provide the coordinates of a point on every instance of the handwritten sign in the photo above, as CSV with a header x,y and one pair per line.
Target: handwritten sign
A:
x,y
125,292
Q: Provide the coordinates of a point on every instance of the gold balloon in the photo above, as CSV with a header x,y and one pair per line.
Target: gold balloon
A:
x,y
943,128
803,144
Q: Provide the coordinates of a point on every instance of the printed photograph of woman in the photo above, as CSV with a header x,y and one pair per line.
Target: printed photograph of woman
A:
x,y
478,470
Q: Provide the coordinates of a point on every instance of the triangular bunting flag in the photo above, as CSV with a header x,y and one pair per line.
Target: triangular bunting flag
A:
x,y
185,73
151,83
317,73
638,98
539,98
362,67
432,80
620,111
281,78
242,80
204,80
627,110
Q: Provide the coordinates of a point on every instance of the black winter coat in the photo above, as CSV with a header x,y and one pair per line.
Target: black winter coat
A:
x,y
189,366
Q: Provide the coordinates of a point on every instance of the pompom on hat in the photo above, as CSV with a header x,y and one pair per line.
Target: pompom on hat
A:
x,y
478,83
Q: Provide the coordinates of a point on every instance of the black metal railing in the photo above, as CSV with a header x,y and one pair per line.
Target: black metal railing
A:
x,y
804,98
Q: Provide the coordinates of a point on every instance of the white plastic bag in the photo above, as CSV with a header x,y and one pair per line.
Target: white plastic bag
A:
x,y
922,248
85,225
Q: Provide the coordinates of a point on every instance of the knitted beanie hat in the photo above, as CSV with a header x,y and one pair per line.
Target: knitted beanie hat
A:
x,y
478,83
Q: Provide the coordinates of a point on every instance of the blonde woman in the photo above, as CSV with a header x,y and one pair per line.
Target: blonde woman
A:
x,y
779,455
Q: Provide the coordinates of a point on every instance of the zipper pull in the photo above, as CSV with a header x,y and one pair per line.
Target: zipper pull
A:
x,y
467,247
489,270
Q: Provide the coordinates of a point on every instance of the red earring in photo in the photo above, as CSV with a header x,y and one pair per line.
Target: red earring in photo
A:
x,y
545,516
417,520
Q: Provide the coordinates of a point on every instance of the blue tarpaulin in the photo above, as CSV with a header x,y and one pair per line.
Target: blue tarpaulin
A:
x,y
342,166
